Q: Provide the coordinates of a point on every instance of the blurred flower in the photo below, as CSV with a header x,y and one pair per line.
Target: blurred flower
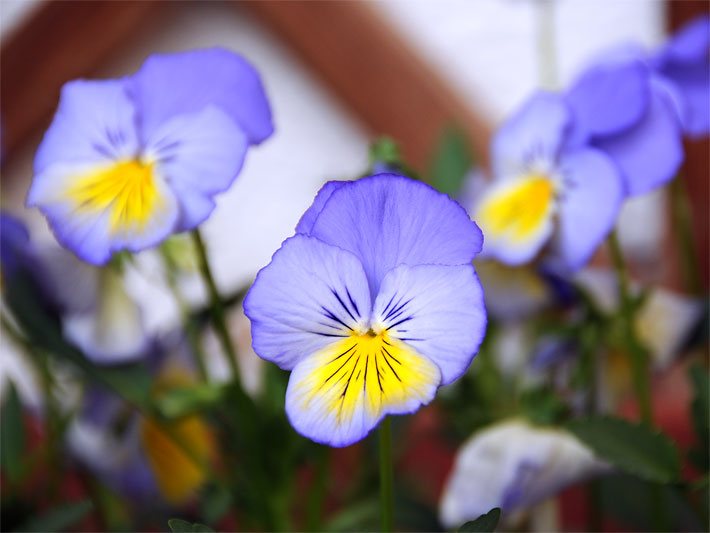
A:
x,y
138,456
96,312
622,107
685,62
373,304
514,466
127,162
664,321
546,192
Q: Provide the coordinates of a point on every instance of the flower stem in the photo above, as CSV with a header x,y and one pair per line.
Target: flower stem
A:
x,y
386,475
639,355
317,493
683,225
191,332
216,307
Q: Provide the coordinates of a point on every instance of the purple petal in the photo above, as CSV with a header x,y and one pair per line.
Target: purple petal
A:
x,y
608,98
650,152
94,124
438,310
690,44
309,296
305,224
200,155
388,220
588,210
532,137
173,84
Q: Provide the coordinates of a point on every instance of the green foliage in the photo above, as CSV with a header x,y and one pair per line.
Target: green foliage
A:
x,y
60,518
12,436
541,405
486,522
452,160
181,526
384,150
700,409
177,402
632,447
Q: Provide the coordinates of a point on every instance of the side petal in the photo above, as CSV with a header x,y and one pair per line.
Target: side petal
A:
x,y
305,224
531,138
387,220
437,310
650,153
174,84
200,154
337,395
309,296
609,97
94,124
517,218
589,208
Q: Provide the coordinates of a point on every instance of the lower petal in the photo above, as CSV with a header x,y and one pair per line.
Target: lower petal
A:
x,y
337,395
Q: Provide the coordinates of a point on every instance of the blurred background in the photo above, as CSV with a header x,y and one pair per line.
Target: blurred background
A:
x,y
337,75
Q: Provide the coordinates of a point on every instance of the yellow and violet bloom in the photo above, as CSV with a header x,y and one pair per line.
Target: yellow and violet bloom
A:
x,y
513,465
544,192
373,304
127,162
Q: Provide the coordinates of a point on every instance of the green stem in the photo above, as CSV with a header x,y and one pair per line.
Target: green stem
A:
x,y
683,224
217,307
386,475
317,493
639,355
189,325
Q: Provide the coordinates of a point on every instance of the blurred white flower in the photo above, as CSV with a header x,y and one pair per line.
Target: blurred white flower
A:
x,y
513,465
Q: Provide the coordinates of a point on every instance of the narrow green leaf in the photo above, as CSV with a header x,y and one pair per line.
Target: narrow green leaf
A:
x,y
12,435
451,163
182,401
178,525
59,518
484,523
632,447
701,401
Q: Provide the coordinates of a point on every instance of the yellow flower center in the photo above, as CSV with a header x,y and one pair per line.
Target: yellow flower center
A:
x,y
519,210
127,188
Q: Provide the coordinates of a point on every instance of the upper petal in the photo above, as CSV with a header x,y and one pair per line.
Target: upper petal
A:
x,y
94,123
200,155
388,220
609,97
531,138
650,152
438,310
590,205
305,224
310,295
174,84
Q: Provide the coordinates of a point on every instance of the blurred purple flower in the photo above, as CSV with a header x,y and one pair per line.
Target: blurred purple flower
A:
x,y
127,162
373,305
545,191
685,62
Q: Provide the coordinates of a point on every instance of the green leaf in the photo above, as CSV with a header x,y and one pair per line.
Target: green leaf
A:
x,y
385,150
541,405
632,447
59,518
178,525
452,161
701,402
12,435
486,522
363,515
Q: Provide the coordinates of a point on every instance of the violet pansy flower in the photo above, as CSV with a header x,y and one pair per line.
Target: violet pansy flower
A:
x,y
545,192
373,304
127,162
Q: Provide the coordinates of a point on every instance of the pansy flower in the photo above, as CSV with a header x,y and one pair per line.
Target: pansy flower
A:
x,y
372,305
544,192
127,162
513,465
